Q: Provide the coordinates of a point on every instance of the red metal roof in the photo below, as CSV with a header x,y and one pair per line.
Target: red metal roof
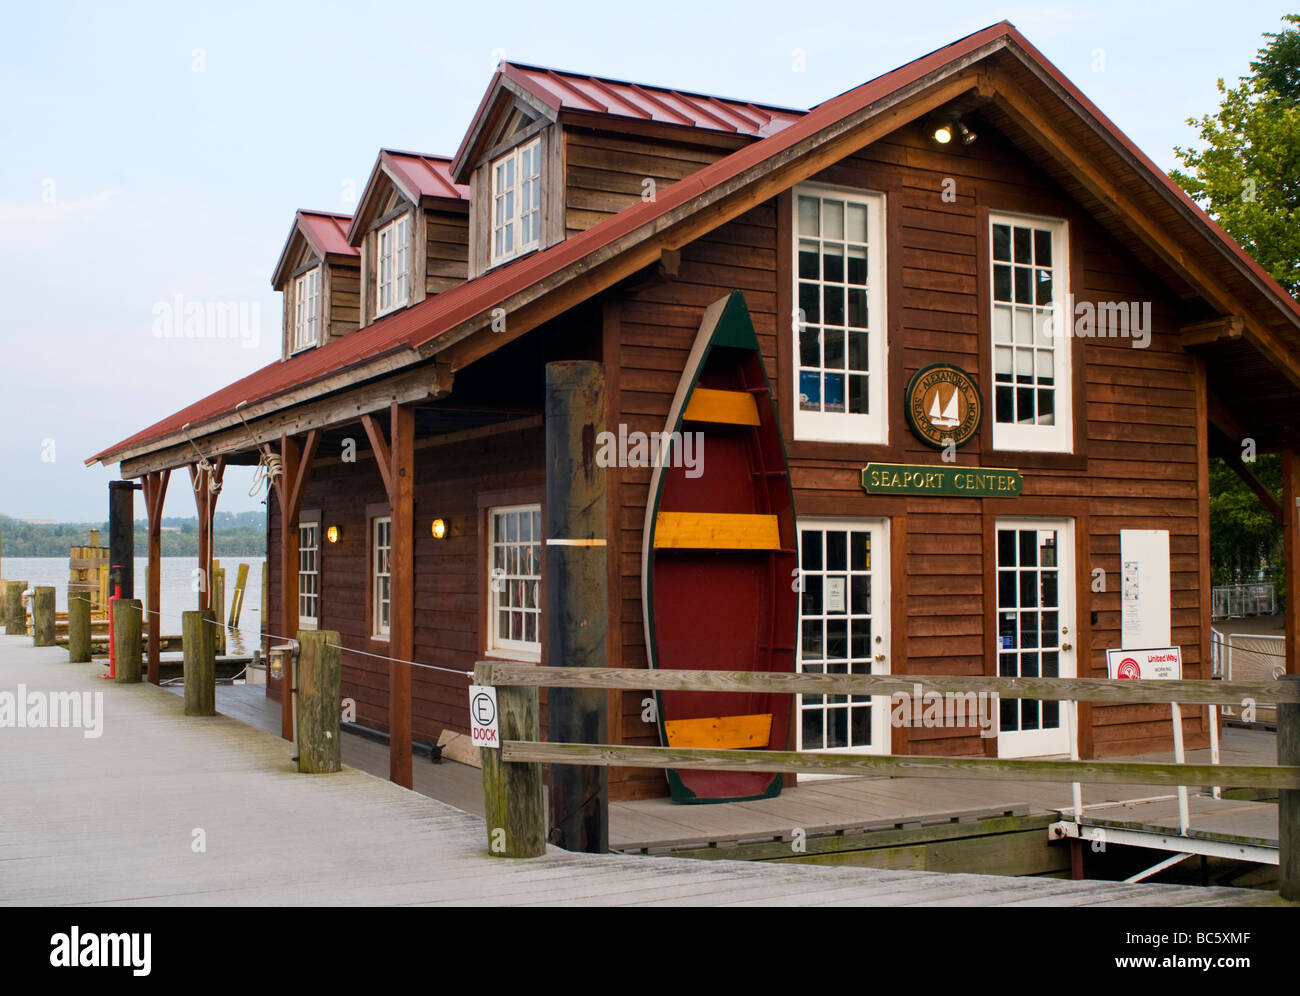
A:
x,y
422,323
578,92
328,232
422,175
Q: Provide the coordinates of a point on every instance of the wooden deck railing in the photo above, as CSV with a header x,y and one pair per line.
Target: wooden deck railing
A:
x,y
512,774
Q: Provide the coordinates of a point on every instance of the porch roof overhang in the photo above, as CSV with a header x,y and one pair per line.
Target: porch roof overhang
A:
x,y
1038,106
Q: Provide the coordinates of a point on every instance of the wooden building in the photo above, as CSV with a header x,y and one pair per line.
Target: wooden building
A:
x,y
907,251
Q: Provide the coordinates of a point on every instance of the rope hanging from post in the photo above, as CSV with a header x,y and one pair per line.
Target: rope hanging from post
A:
x,y
269,466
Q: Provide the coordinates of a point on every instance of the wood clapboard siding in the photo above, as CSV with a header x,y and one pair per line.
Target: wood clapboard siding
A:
x,y
447,253
1135,459
344,299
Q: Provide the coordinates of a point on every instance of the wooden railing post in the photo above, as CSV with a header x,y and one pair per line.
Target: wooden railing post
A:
x,y
127,649
43,617
1288,800
15,618
512,793
199,638
78,626
318,702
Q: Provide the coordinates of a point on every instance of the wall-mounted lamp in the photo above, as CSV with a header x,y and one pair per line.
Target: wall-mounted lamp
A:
x,y
943,134
277,656
439,528
333,533
953,125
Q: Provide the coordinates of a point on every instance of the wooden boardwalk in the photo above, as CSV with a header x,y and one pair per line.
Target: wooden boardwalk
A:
x,y
115,820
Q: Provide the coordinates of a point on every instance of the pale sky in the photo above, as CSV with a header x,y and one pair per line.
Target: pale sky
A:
x,y
157,150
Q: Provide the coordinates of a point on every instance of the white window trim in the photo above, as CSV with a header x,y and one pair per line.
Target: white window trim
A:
x,y
515,219
881,731
377,630
1058,438
842,427
302,323
391,229
312,528
499,646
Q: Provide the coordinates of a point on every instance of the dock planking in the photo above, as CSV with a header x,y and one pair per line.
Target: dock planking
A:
x,y
112,820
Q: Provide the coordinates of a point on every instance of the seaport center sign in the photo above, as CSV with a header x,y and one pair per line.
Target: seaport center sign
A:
x,y
949,482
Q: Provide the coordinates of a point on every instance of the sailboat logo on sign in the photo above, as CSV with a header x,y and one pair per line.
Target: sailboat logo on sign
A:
x,y
943,405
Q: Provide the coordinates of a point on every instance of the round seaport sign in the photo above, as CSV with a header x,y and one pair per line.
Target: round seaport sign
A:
x,y
943,405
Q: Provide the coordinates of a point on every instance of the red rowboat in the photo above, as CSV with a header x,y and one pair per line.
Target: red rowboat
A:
x,y
718,556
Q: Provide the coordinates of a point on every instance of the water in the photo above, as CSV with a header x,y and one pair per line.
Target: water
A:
x,y
179,593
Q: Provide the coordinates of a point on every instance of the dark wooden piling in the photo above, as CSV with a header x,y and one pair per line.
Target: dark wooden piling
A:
x,y
200,662
576,608
121,535
1288,800
319,688
128,654
15,616
514,806
78,626
43,617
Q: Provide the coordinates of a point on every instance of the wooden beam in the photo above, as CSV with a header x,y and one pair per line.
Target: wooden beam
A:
x,y
911,766
1227,327
206,481
401,635
155,494
297,413
295,465
1231,455
1193,690
1291,557
383,457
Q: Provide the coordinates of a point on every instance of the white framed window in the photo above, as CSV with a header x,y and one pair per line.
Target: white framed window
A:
x,y
515,581
306,309
308,574
393,265
843,629
840,319
517,201
381,593
1031,335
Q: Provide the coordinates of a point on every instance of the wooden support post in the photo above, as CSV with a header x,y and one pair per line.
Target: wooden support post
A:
x,y
514,807
1291,555
318,702
237,599
1288,800
198,635
575,611
126,639
78,626
155,493
396,461
290,486
219,605
121,535
15,615
43,617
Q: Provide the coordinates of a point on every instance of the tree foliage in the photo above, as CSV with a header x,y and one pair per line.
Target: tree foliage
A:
x,y
1246,174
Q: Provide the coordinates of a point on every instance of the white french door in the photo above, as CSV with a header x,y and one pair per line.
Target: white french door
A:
x,y
843,629
1035,635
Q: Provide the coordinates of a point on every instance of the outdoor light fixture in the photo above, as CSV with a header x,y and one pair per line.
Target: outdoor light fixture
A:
x,y
332,534
967,136
439,528
953,124
276,657
943,134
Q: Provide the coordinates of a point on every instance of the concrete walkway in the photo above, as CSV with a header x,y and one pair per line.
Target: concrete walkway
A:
x,y
118,819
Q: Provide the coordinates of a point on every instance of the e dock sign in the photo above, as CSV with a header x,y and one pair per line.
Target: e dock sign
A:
x,y
484,730
1162,663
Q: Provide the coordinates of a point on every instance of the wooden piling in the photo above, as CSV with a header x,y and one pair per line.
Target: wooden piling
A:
x,y
43,617
318,702
218,604
78,626
1288,800
200,662
237,599
15,617
514,806
576,607
127,648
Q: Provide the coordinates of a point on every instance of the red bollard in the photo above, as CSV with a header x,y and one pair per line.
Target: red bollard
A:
x,y
112,657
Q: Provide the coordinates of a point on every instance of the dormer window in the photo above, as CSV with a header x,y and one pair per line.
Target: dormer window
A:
x,y
516,202
306,309
393,270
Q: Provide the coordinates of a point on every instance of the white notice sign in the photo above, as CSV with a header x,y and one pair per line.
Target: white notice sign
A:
x,y
484,730
1161,663
835,594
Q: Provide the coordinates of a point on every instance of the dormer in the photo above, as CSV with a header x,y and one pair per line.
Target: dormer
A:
x,y
412,230
319,275
551,153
